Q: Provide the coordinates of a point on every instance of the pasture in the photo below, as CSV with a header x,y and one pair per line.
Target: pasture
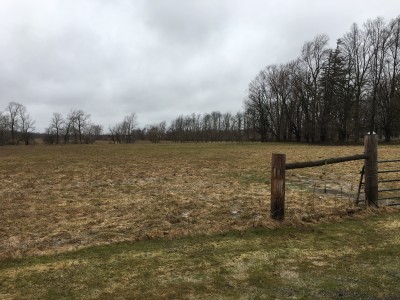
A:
x,y
59,198
95,207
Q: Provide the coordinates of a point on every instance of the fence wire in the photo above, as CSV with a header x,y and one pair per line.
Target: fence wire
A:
x,y
318,192
337,189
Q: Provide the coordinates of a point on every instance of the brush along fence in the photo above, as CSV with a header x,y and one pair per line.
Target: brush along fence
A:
x,y
279,167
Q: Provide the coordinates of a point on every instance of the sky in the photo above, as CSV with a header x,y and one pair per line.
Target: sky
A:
x,y
157,58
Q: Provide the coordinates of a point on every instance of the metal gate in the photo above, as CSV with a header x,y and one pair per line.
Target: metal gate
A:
x,y
388,183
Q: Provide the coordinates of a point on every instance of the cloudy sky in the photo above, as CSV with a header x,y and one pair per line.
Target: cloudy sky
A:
x,y
157,58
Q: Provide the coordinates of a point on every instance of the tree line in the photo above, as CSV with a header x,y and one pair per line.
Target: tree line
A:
x,y
17,126
332,94
323,95
208,127
76,127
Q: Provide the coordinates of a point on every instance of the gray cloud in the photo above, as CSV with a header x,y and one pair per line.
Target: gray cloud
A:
x,y
159,58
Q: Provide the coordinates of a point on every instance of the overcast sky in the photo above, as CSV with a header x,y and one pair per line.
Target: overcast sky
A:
x,y
159,59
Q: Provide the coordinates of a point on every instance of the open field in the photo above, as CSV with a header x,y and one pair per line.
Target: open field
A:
x,y
354,259
63,198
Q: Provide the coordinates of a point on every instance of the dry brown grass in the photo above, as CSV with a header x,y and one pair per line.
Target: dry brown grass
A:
x,y
67,197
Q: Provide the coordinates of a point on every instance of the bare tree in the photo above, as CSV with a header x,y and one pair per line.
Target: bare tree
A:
x,y
78,121
97,129
279,87
128,126
292,103
26,124
239,126
379,36
156,132
124,132
313,55
91,132
56,126
116,133
13,109
67,129
256,105
388,107
356,46
4,131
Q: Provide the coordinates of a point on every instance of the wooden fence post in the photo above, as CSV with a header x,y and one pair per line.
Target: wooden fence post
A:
x,y
278,166
371,169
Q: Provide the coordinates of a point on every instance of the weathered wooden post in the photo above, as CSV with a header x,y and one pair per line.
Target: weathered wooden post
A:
x,y
371,169
278,165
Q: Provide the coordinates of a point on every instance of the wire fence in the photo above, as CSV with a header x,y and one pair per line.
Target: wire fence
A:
x,y
324,191
320,191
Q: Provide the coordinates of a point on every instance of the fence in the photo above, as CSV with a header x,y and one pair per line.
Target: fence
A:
x,y
279,167
387,183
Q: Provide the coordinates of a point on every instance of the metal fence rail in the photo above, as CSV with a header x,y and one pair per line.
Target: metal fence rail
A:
x,y
388,171
389,180
389,190
388,160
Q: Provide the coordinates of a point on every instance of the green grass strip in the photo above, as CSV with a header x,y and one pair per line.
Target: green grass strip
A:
x,y
354,259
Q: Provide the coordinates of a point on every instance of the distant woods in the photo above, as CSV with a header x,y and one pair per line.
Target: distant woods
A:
x,y
332,94
324,95
16,127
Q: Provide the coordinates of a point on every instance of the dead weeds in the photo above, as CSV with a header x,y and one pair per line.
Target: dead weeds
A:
x,y
63,198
